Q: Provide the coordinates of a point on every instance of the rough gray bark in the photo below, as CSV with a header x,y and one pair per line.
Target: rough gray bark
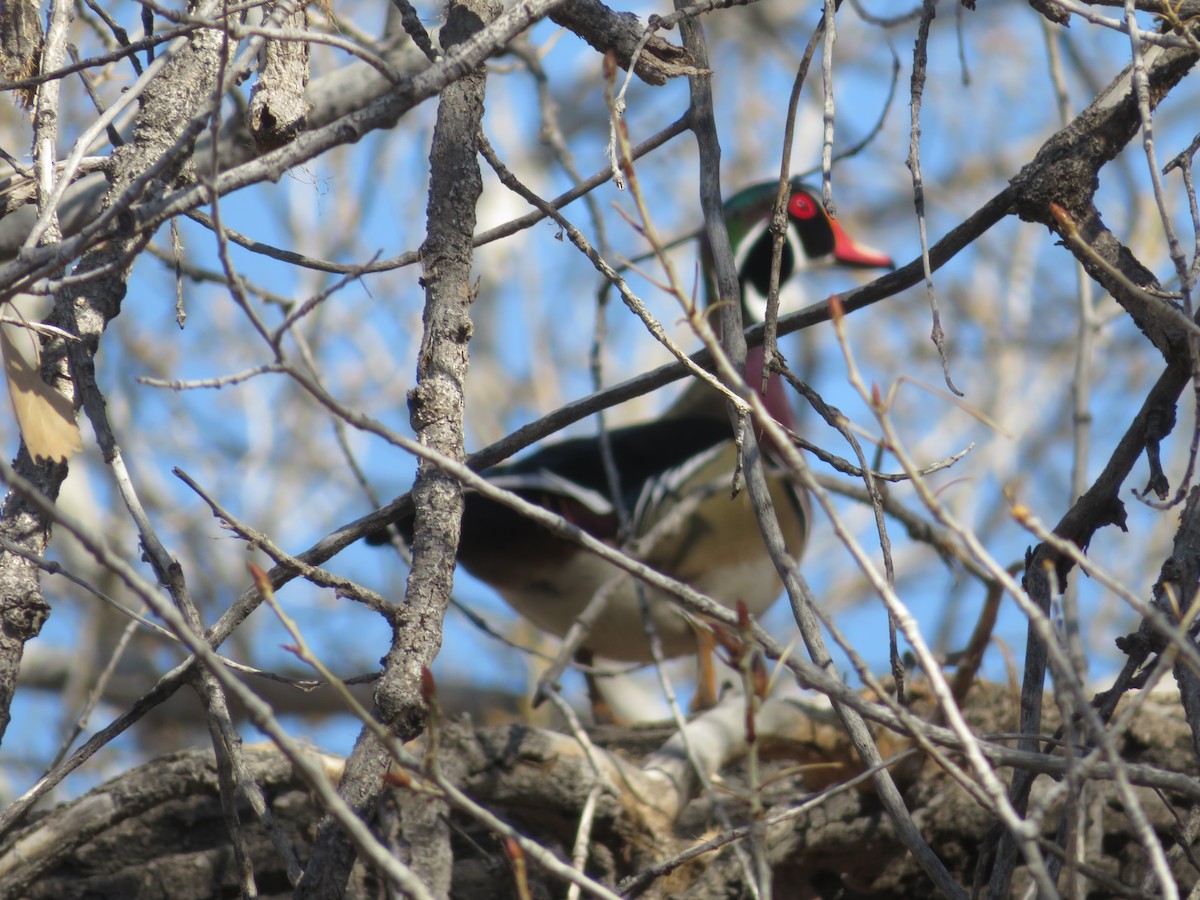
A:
x,y
1063,178
278,106
158,829
621,33
169,106
436,409
350,90
20,42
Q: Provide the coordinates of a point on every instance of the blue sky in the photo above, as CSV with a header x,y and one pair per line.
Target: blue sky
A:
x,y
1008,306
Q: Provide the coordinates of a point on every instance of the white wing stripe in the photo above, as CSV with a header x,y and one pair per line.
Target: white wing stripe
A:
x,y
552,482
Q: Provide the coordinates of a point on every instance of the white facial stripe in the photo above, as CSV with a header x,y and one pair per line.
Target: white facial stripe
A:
x,y
791,295
751,238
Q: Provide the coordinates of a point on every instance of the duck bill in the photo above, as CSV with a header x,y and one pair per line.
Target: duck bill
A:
x,y
849,252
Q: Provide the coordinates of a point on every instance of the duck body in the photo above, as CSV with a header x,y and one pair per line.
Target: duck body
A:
x,y
714,547
675,481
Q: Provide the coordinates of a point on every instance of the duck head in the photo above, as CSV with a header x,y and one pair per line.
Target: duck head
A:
x,y
813,239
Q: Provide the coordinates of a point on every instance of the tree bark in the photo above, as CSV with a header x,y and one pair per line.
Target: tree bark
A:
x,y
170,104
158,830
436,409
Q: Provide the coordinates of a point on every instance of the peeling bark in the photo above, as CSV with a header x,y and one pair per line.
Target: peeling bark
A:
x,y
158,829
278,107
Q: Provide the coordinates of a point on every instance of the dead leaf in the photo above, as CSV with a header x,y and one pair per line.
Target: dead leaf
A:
x,y
45,417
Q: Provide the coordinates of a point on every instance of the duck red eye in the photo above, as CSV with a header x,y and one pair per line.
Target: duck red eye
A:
x,y
802,206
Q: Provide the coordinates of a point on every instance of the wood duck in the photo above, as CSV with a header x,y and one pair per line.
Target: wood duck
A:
x,y
687,455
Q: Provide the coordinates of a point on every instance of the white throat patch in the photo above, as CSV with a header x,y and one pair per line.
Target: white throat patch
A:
x,y
791,294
